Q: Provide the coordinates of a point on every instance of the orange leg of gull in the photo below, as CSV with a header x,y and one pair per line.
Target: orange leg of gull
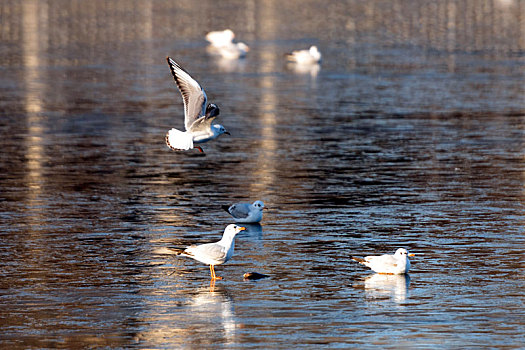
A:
x,y
199,148
213,275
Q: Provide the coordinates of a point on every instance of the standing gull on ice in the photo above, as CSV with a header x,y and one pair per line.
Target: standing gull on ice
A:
x,y
396,264
198,117
215,253
310,56
246,212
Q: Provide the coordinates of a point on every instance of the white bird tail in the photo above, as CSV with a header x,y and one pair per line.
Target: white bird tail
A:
x,y
179,140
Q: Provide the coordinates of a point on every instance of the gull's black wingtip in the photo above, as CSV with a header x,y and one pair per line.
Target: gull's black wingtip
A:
x,y
226,208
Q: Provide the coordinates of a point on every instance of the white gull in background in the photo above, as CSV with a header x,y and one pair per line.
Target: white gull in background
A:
x,y
310,56
220,37
221,43
215,253
198,116
396,264
233,51
246,212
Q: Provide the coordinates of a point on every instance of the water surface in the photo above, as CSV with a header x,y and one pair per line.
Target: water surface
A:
x,y
410,134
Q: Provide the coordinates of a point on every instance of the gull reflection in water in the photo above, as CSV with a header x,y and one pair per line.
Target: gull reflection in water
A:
x,y
253,232
226,65
380,286
204,316
304,69
212,309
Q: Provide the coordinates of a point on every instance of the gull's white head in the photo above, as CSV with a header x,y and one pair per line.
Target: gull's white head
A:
x,y
314,52
258,205
403,252
243,47
231,230
218,129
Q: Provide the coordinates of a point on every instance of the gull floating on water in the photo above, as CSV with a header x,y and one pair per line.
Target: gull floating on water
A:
x,y
198,116
233,51
310,56
396,264
246,212
215,253
221,43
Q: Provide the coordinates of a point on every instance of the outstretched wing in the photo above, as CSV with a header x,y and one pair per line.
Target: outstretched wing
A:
x,y
192,93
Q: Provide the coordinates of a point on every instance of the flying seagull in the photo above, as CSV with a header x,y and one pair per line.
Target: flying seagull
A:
x,y
198,116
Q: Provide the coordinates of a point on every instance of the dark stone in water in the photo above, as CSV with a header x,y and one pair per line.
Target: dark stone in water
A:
x,y
254,276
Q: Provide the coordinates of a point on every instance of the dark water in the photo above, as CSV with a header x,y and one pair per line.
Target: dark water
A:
x,y
410,134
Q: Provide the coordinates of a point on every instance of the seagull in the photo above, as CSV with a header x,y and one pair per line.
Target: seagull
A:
x,y
396,264
221,43
220,37
198,116
246,212
310,56
215,253
233,51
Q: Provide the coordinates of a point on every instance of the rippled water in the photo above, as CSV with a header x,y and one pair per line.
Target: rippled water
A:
x,y
410,134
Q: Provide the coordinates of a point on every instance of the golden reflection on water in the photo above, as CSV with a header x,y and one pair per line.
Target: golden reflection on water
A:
x,y
35,29
206,316
264,172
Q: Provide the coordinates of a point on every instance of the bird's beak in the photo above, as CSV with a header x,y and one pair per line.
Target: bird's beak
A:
x,y
411,254
242,229
227,133
266,208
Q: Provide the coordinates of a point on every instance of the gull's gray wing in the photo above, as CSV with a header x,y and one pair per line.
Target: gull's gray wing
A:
x,y
192,93
240,210
385,259
203,123
210,250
